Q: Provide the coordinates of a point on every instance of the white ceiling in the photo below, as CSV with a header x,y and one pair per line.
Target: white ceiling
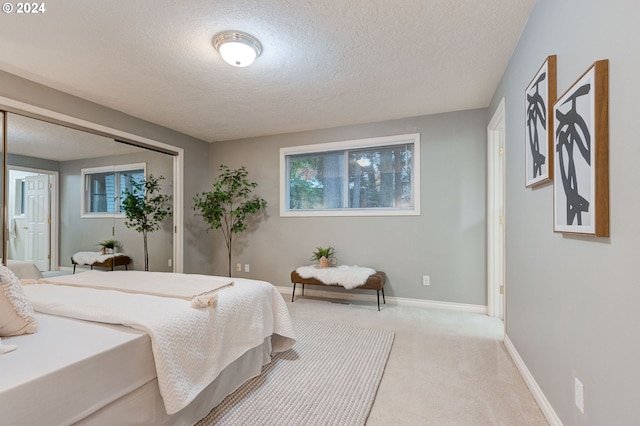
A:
x,y
39,139
325,63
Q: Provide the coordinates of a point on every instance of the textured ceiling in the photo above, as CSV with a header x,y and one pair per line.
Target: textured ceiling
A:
x,y
35,138
325,63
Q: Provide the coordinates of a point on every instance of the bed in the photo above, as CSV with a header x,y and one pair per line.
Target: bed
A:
x,y
24,269
51,377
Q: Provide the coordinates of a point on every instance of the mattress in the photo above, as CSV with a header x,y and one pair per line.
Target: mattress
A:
x,y
73,369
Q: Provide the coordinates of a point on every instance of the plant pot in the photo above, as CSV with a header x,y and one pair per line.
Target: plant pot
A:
x,y
324,262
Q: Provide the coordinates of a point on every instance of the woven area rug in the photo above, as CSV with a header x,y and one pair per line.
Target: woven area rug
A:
x,y
330,377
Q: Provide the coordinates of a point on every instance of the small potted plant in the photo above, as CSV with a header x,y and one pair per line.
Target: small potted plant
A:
x,y
108,246
324,256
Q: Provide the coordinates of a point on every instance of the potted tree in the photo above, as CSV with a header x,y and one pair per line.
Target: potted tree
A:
x,y
145,208
229,204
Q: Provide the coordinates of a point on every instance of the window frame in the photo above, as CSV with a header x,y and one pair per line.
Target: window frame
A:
x,y
116,169
356,144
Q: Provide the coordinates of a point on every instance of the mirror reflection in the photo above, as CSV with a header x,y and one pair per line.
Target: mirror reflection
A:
x,y
64,198
2,133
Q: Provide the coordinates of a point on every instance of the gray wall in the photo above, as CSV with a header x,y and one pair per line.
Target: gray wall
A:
x,y
447,241
572,301
196,174
82,234
32,162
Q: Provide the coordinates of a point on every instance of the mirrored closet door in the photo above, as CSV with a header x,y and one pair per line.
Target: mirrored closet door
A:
x,y
64,196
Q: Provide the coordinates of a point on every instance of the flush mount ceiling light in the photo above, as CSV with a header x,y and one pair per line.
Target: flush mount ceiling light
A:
x,y
236,48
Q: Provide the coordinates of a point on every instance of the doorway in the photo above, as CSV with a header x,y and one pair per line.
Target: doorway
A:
x,y
31,209
496,253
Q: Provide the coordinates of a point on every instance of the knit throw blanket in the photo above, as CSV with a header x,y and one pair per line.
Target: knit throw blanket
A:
x,y
201,290
349,277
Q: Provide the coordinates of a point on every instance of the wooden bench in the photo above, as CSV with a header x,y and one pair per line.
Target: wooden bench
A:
x,y
111,262
374,282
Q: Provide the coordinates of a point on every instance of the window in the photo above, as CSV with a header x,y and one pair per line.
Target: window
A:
x,y
104,187
365,177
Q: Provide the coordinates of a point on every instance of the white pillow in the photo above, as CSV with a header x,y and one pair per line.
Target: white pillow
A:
x,y
16,312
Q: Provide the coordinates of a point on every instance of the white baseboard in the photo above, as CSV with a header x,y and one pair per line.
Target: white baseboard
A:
x,y
539,396
346,295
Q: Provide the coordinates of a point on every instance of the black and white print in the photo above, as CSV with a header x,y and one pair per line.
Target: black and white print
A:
x,y
578,158
539,97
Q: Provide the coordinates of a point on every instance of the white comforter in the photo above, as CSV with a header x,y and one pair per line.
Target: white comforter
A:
x,y
190,346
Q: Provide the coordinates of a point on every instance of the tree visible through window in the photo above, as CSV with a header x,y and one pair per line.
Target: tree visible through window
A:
x,y
104,187
364,176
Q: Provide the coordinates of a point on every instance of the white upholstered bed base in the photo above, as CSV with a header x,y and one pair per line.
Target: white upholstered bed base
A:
x,y
68,357
144,405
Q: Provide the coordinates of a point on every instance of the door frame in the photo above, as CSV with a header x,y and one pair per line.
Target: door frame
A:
x,y
496,220
54,226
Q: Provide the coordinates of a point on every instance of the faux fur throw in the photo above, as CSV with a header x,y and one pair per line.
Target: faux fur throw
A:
x,y
346,276
90,257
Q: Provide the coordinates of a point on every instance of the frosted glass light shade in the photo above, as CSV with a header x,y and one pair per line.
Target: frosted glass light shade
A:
x,y
237,49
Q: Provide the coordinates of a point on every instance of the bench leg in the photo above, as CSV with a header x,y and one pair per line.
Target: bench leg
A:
x,y
383,299
294,292
302,290
74,268
378,295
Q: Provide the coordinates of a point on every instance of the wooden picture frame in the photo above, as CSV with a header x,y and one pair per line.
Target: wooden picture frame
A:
x,y
581,155
540,96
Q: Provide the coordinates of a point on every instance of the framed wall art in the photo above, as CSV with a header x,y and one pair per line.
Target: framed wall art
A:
x,y
581,155
539,98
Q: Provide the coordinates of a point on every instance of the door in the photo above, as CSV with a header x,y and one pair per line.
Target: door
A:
x,y
496,253
38,220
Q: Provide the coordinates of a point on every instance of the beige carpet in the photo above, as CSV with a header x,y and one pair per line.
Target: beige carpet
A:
x,y
446,368
330,377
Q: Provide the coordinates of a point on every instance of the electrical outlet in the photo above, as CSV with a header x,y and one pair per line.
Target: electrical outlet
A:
x,y
426,280
246,267
169,263
238,267
579,395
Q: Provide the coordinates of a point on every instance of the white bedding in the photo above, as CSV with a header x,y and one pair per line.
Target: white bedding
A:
x,y
200,290
24,269
190,346
52,374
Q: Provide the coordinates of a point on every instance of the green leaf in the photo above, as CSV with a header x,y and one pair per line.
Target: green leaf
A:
x,y
229,204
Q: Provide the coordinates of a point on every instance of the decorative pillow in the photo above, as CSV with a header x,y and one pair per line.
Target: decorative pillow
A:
x,y
16,312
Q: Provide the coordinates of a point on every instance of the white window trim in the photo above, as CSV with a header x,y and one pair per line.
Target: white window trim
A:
x,y
103,169
350,144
